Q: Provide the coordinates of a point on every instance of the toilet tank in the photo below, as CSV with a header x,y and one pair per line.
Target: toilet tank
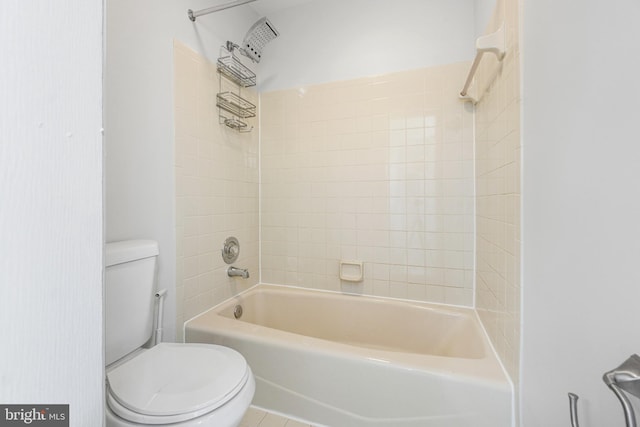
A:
x,y
129,295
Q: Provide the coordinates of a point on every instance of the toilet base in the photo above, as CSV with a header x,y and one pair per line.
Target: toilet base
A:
x,y
228,415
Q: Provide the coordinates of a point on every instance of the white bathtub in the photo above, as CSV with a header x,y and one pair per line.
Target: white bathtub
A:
x,y
349,361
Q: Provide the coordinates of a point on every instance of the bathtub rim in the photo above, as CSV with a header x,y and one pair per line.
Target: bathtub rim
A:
x,y
490,357
429,304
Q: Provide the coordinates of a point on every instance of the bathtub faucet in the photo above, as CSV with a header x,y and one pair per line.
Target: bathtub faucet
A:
x,y
238,272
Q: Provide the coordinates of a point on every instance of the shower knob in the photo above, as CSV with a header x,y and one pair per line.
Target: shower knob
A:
x,y
230,250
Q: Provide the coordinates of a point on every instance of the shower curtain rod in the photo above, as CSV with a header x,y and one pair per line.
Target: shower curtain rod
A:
x,y
193,15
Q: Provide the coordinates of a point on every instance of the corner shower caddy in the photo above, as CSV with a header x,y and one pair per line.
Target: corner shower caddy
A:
x,y
233,108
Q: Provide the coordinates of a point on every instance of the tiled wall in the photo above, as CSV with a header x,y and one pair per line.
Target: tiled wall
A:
x,y
216,174
378,170
498,193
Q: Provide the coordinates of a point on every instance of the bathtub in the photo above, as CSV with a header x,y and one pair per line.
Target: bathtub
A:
x,y
353,361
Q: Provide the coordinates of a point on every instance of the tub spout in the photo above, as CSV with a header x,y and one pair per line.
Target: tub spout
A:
x,y
238,272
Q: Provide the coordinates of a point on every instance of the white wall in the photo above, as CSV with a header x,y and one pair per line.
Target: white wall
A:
x,y
51,206
330,40
140,189
483,11
581,232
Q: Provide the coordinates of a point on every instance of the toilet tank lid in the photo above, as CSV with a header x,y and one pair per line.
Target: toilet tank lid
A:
x,y
129,250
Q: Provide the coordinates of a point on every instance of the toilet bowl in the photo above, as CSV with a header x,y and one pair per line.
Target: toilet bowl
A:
x,y
179,384
182,385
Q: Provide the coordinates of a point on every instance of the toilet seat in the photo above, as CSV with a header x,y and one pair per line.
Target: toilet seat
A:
x,y
170,383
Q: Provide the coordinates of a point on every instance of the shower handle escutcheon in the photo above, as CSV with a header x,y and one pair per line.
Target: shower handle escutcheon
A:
x,y
230,250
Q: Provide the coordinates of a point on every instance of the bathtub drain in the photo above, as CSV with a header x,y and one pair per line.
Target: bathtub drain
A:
x,y
237,311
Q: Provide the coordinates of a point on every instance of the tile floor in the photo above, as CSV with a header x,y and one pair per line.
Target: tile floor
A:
x,y
259,418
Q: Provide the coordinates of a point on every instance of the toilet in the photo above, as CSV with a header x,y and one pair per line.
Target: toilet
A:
x,y
179,384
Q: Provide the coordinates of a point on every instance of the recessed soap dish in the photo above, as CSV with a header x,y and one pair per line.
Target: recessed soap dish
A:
x,y
351,271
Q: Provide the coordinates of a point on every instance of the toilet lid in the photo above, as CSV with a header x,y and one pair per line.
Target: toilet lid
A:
x,y
178,381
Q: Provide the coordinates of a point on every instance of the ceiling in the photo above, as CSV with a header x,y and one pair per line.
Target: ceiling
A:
x,y
266,7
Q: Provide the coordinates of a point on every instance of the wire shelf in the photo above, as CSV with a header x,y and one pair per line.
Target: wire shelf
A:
x,y
236,105
234,70
236,124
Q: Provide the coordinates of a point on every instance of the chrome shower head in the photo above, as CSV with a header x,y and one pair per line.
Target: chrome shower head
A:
x,y
260,33
625,377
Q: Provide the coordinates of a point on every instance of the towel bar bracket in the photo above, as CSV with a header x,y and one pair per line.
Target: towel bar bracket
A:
x,y
493,43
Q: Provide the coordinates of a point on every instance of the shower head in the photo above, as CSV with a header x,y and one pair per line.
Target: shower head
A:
x,y
260,33
626,376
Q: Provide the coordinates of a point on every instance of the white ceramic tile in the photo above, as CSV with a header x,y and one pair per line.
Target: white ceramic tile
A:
x,y
215,198
358,178
252,417
272,420
497,180
292,423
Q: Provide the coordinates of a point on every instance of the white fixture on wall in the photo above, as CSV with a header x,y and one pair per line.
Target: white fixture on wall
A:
x,y
351,271
494,43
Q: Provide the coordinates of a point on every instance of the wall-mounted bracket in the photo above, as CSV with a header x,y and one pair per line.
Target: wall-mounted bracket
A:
x,y
494,43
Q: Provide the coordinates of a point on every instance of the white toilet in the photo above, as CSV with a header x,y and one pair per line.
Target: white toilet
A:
x,y
179,384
